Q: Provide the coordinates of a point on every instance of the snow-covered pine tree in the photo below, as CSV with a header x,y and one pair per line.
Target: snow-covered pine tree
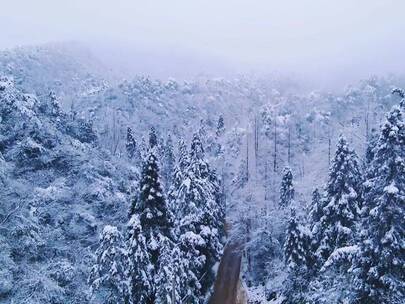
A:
x,y
131,146
315,215
287,188
201,219
183,156
160,153
150,226
218,190
342,202
372,142
296,244
220,126
171,279
379,267
141,272
153,140
186,256
316,208
217,142
110,278
168,162
177,179
130,143
151,204
296,256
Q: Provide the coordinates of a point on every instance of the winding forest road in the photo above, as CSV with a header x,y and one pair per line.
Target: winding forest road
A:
x,y
227,281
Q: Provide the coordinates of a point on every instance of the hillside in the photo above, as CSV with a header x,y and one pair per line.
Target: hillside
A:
x,y
57,188
67,165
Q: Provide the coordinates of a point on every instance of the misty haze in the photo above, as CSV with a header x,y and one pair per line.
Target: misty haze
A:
x,y
202,152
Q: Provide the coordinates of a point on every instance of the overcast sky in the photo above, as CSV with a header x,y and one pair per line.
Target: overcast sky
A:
x,y
326,40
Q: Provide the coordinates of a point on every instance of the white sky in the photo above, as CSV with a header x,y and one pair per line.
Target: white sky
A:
x,y
326,40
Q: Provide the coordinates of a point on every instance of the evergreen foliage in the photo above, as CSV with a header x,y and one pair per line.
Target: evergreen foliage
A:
x,y
150,231
200,219
287,188
342,202
110,275
379,268
297,257
168,162
132,148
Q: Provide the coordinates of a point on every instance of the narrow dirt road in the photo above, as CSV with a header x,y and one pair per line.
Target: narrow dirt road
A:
x,y
227,281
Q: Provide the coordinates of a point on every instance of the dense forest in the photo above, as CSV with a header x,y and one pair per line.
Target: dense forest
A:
x,y
134,190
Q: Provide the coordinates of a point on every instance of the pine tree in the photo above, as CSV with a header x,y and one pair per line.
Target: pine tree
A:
x,y
242,176
379,267
142,284
151,204
295,244
168,162
150,227
315,215
110,275
153,140
179,172
131,146
316,208
371,144
287,188
296,256
342,202
172,276
201,219
220,126
216,143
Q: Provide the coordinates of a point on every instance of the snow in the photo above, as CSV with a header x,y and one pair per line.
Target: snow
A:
x,y
63,179
257,294
108,229
343,253
391,189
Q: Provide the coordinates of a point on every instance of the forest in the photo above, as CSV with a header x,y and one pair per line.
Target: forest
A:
x,y
211,190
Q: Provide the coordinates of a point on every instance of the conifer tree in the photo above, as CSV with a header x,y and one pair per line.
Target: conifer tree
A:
x,y
316,208
150,227
153,140
177,179
216,143
315,215
296,256
220,126
379,268
151,204
296,244
168,162
141,272
342,202
201,218
242,176
110,277
132,148
172,276
370,147
287,188
130,144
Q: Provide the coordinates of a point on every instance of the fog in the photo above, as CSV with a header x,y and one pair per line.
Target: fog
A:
x,y
327,43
